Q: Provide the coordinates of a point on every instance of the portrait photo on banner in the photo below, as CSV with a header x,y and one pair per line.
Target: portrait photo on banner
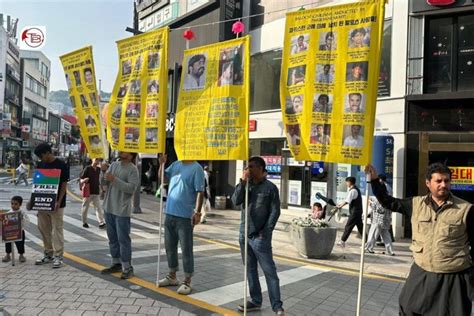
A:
x,y
77,78
296,75
126,67
231,71
73,101
320,134
359,37
325,73
133,110
115,132
357,71
293,134
353,136
117,111
84,102
153,60
322,103
354,102
151,134
152,110
299,44
294,104
90,121
138,63
122,92
153,86
68,81
195,77
132,134
327,41
135,87
93,98
88,76
94,141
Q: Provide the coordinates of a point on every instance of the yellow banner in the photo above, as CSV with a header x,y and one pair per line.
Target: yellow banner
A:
x,y
137,109
328,84
213,104
80,77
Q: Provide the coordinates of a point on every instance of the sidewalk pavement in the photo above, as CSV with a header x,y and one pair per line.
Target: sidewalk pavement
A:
x,y
39,290
223,226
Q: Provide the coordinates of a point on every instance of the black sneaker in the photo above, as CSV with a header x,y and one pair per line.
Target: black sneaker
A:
x,y
85,225
250,307
44,260
127,273
102,226
113,268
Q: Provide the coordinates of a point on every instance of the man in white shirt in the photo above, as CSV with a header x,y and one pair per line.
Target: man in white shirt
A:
x,y
326,76
354,140
196,76
300,46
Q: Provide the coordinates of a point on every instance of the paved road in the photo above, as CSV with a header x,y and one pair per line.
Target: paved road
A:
x,y
307,289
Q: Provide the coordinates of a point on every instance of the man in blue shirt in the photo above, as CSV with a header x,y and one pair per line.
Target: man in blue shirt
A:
x,y
264,211
183,211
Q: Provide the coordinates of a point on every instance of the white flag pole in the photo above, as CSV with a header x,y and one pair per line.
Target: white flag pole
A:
x,y
246,239
162,180
362,247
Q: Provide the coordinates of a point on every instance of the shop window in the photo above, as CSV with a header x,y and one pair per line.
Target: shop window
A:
x,y
385,62
265,81
449,64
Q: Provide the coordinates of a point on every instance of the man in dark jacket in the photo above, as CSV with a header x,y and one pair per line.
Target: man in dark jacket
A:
x,y
354,199
264,211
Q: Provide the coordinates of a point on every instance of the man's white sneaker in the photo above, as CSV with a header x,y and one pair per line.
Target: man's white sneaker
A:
x,y
44,260
57,262
168,281
184,288
341,244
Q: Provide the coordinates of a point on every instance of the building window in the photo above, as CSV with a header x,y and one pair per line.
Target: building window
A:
x,y
35,86
265,81
449,64
385,62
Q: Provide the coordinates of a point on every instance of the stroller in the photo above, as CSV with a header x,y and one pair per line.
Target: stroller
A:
x,y
330,207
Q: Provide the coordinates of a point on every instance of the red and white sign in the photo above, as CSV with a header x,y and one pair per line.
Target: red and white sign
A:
x,y
252,125
440,2
33,37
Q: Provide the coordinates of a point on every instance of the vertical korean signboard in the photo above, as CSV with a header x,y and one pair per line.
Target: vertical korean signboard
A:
x,y
80,78
137,108
328,85
212,116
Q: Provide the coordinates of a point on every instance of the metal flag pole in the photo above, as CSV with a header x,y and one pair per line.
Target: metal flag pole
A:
x,y
246,239
162,180
362,247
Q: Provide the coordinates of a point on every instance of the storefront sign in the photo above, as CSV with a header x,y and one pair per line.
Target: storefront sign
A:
x,y
252,125
10,223
440,2
273,163
462,178
45,189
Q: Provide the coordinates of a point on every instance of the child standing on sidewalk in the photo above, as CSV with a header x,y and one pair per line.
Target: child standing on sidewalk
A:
x,y
16,202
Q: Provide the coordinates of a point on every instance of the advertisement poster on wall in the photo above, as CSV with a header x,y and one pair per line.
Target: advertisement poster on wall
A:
x,y
294,192
318,187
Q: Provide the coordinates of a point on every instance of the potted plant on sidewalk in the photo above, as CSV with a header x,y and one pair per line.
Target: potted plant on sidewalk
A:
x,y
313,238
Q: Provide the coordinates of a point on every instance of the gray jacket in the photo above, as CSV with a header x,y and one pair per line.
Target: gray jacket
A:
x,y
118,198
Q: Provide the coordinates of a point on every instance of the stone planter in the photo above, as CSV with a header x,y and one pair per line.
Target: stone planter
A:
x,y
312,242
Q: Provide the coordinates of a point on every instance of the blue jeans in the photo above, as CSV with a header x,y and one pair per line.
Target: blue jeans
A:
x,y
22,176
260,250
120,244
179,229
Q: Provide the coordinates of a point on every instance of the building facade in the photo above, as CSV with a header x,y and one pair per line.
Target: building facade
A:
x,y
10,92
35,73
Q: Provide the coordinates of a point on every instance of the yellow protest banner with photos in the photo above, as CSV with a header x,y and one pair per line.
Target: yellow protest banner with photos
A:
x,y
137,108
80,78
213,103
329,78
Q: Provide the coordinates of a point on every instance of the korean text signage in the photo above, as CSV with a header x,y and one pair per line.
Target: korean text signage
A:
x,y
462,178
328,85
212,116
137,108
45,189
10,223
80,78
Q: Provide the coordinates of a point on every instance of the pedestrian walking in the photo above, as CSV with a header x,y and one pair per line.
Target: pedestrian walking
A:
x,y
264,211
90,178
206,205
441,279
381,222
183,211
354,200
22,172
15,204
121,179
51,223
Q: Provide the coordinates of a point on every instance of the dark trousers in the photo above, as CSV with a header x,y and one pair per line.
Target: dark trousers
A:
x,y
20,245
355,219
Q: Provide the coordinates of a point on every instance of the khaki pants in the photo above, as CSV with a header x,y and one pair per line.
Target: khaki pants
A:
x,y
51,225
99,212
